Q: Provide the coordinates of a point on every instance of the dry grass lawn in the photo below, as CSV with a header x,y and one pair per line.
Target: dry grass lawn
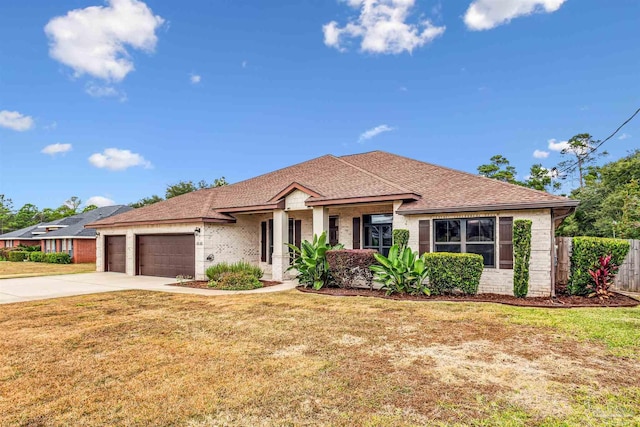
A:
x,y
289,359
31,269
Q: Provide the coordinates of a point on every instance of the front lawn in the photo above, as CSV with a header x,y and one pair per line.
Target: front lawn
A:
x,y
31,269
141,358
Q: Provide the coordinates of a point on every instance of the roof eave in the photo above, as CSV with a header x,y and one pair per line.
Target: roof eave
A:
x,y
279,205
161,221
495,207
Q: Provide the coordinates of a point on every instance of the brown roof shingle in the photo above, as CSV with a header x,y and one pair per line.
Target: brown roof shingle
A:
x,y
423,186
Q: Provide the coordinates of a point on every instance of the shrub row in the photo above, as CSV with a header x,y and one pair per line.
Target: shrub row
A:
x,y
350,267
51,258
585,255
450,271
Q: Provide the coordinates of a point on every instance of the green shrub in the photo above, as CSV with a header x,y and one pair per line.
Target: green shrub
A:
x,y
403,271
521,256
350,267
310,261
36,256
401,238
216,271
236,281
29,248
585,254
57,258
18,256
449,271
4,253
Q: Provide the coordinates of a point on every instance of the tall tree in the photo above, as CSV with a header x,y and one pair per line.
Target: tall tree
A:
x,y
89,208
541,178
146,201
73,203
6,213
500,169
184,187
580,151
26,216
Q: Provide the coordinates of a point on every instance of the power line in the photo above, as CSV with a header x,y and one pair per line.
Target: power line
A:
x,y
593,150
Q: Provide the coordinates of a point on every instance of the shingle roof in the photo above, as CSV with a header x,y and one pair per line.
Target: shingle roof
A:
x,y
73,226
371,175
22,234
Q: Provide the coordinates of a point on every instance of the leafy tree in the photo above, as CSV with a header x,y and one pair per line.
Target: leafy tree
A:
x,y
27,215
146,201
608,201
89,208
581,154
540,178
6,213
73,203
184,187
499,169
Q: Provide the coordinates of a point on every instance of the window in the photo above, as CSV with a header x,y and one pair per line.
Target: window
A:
x,y
64,245
70,247
378,232
333,230
473,235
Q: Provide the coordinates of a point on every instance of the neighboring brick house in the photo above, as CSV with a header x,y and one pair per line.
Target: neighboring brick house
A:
x,y
67,235
357,199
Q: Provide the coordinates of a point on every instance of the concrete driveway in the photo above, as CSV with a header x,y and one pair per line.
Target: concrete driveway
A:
x,y
35,288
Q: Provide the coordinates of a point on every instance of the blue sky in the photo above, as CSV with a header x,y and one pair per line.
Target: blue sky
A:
x,y
199,89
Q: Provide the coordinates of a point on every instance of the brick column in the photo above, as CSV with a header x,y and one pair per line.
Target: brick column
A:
x,y
280,259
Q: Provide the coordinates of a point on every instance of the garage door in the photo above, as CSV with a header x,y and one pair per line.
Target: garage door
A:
x,y
167,255
116,249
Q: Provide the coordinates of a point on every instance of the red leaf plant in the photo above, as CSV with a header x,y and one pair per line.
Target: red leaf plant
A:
x,y
602,274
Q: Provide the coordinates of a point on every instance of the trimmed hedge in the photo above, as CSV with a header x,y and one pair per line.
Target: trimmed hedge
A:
x,y
57,258
216,271
521,256
349,268
449,271
36,256
236,281
18,256
401,238
584,256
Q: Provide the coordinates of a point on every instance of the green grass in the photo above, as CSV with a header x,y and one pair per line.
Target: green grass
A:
x,y
617,328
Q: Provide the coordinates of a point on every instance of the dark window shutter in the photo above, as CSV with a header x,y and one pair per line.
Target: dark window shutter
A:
x,y
263,241
298,233
356,233
424,236
270,241
506,242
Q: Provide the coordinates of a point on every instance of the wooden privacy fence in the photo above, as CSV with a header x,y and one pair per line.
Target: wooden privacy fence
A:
x,y
628,278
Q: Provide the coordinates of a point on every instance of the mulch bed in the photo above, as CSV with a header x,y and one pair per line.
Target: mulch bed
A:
x,y
561,301
204,284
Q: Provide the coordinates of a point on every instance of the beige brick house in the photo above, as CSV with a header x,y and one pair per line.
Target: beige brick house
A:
x,y
357,199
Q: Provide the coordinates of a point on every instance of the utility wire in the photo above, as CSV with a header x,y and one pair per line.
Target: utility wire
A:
x,y
572,165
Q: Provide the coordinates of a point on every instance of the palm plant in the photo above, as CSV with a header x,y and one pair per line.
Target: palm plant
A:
x,y
310,261
401,271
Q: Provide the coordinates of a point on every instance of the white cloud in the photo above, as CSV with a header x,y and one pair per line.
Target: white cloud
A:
x,y
51,126
540,154
244,64
104,91
116,159
374,132
99,201
624,136
195,78
382,28
16,121
54,149
555,145
487,14
94,40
